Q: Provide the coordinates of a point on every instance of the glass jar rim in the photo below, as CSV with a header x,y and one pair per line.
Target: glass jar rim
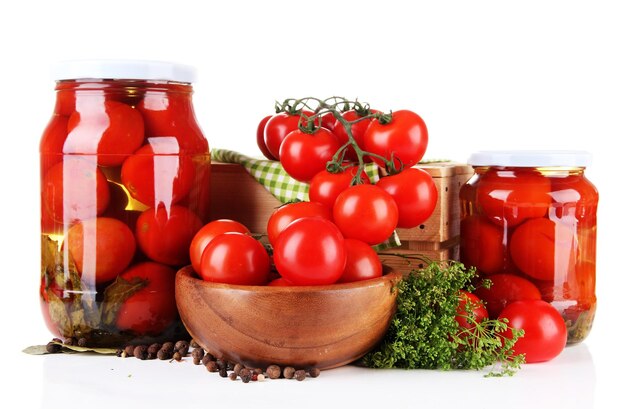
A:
x,y
123,70
531,158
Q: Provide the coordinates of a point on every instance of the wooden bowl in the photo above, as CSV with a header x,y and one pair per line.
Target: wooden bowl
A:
x,y
312,326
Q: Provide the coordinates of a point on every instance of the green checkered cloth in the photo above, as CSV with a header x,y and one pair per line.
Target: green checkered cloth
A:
x,y
283,187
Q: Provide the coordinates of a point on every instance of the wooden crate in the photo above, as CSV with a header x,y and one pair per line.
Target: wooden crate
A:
x,y
237,195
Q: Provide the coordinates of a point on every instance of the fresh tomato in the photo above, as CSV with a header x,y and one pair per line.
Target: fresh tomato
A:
x,y
152,309
75,189
285,215
545,333
52,141
165,234
366,213
362,262
405,137
278,127
470,312
303,155
310,251
358,131
111,129
101,248
156,173
482,245
508,198
260,139
328,121
279,282
207,233
544,249
415,194
326,186
505,289
235,258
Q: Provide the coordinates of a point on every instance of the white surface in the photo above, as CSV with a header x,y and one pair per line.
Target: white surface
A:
x,y
123,69
483,75
530,158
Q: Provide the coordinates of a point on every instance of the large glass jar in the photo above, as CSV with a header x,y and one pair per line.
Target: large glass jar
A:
x,y
124,187
528,223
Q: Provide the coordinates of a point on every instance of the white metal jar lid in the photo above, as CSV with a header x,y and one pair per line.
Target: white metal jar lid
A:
x,y
123,69
531,159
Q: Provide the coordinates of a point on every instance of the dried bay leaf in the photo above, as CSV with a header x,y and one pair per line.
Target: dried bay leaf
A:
x,y
115,295
59,315
67,349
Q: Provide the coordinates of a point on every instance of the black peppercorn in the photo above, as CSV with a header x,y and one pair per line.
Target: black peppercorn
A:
x,y
194,344
207,358
211,366
210,356
300,374
182,347
273,371
70,341
232,376
154,348
164,354
314,372
198,354
288,372
237,368
82,342
246,375
168,346
257,371
177,356
129,350
53,348
141,352
220,363
230,366
223,372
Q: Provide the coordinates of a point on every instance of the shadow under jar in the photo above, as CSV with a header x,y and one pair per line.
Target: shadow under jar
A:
x,y
528,223
124,187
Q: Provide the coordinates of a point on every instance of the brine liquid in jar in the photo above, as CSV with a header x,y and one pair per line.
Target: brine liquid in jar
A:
x,y
124,188
528,223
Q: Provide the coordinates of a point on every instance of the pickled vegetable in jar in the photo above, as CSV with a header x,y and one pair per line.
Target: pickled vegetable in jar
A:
x,y
124,188
528,223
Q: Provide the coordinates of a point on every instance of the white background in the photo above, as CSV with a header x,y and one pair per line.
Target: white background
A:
x,y
483,75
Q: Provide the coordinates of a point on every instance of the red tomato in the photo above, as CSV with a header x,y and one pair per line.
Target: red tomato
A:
x,y
111,129
207,233
328,121
577,197
284,215
358,131
235,258
173,115
310,251
415,194
544,249
362,262
508,198
326,186
153,308
101,248
505,289
303,155
75,189
260,139
279,282
164,234
277,129
156,173
405,137
470,312
482,245
52,141
366,213
65,102
545,333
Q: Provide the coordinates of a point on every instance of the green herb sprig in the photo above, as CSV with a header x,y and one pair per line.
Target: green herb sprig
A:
x,y
424,333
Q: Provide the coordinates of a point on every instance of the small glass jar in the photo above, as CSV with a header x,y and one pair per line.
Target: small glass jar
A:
x,y
528,222
124,187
